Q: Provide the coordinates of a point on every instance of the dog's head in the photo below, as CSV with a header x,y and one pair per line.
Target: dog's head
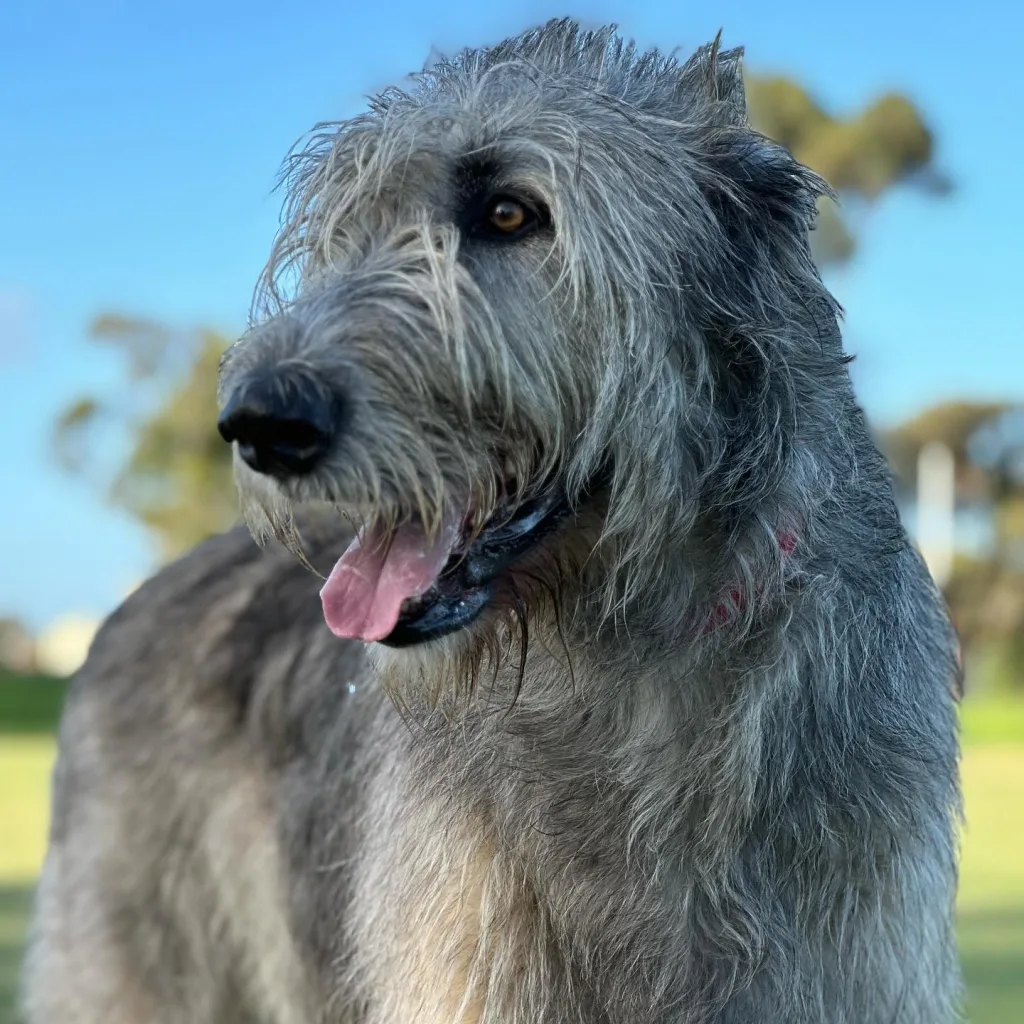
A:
x,y
550,307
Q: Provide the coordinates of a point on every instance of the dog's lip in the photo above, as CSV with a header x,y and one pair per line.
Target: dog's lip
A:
x,y
465,585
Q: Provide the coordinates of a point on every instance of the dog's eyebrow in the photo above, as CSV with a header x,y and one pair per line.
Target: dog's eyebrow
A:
x,y
473,177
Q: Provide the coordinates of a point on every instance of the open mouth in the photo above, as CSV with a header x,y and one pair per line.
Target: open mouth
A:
x,y
402,587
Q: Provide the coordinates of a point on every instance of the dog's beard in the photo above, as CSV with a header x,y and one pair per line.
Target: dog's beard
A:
x,y
419,570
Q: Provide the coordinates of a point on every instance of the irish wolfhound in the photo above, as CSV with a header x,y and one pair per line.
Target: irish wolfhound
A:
x,y
641,710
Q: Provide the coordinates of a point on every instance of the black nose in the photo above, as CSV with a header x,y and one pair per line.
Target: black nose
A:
x,y
283,420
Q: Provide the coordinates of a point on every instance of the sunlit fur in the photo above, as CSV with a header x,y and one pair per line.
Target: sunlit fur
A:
x,y
678,772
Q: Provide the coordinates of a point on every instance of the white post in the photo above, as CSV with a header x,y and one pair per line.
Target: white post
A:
x,y
936,507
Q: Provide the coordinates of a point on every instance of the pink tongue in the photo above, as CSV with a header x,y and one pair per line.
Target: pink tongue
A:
x,y
363,596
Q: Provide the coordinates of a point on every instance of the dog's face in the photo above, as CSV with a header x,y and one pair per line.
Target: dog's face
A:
x,y
504,287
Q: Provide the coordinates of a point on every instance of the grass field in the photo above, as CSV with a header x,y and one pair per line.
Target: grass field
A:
x,y
991,908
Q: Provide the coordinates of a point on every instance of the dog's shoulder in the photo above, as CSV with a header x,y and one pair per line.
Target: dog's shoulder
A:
x,y
224,626
225,583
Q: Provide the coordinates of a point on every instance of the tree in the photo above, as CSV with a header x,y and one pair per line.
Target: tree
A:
x,y
176,479
956,424
985,594
861,156
986,440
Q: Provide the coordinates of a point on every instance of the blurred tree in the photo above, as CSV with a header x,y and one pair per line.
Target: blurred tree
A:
x,y
176,478
956,424
861,155
986,440
986,593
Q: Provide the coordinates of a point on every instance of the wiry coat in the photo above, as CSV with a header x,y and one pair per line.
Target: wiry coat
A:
x,y
684,771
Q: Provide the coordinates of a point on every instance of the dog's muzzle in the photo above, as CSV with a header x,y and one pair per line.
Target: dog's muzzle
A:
x,y
401,585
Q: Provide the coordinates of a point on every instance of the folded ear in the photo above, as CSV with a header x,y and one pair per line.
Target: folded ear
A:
x,y
763,199
754,171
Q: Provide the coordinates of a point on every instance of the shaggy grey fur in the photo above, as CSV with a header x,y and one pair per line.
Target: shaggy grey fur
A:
x,y
677,773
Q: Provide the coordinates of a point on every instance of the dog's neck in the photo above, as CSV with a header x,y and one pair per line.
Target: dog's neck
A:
x,y
420,680
737,598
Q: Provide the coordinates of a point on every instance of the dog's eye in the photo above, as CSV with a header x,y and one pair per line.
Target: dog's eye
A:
x,y
506,218
501,217
507,215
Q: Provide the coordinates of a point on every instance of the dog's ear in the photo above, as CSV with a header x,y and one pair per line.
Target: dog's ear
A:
x,y
714,77
751,177
764,204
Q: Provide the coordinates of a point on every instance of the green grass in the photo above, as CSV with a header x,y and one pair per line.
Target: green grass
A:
x,y
25,764
29,704
992,955
991,906
14,908
995,718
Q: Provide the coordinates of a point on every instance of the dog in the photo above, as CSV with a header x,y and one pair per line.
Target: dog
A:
x,y
626,699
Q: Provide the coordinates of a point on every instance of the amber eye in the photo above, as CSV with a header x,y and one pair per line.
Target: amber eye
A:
x,y
503,218
507,216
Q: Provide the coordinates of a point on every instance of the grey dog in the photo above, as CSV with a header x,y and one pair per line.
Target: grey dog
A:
x,y
633,704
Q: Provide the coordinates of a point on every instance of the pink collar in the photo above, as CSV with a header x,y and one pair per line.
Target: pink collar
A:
x,y
724,610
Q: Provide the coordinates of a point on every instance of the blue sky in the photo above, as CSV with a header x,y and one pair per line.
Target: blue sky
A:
x,y
139,143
